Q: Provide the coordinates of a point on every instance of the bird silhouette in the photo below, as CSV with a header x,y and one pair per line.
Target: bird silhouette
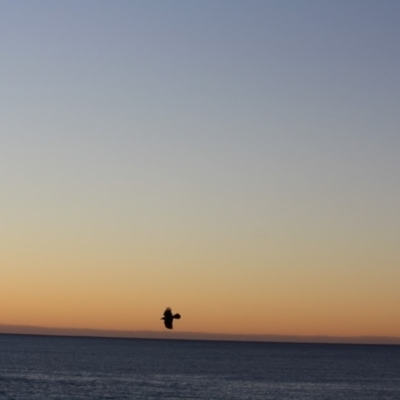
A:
x,y
169,317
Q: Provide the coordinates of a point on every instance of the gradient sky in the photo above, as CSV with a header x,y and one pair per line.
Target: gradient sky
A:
x,y
237,161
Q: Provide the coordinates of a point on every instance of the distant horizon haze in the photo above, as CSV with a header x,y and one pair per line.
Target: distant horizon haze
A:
x,y
178,335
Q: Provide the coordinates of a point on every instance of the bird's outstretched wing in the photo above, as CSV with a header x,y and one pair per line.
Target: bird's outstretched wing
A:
x,y
168,323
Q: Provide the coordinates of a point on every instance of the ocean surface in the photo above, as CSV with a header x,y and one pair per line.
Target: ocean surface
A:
x,y
50,367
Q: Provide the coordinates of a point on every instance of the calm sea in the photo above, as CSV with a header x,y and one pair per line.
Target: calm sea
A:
x,y
44,367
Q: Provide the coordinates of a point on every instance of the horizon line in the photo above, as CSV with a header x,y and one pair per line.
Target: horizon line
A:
x,y
184,335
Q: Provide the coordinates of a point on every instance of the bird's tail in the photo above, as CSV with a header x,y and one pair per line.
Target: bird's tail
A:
x,y
177,316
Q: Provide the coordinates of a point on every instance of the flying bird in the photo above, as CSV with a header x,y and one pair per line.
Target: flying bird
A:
x,y
169,317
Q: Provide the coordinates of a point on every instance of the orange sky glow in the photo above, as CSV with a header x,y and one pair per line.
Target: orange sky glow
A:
x,y
239,164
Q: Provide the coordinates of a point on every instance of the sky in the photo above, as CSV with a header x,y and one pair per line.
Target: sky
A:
x,y
237,161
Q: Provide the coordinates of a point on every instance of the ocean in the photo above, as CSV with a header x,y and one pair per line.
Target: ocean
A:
x,y
51,367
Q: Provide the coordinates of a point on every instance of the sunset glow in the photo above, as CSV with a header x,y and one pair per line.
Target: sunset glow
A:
x,y
235,161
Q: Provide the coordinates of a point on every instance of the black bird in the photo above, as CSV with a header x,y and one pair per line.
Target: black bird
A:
x,y
169,317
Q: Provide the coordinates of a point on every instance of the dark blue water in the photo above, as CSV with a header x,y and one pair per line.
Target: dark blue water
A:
x,y
40,367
